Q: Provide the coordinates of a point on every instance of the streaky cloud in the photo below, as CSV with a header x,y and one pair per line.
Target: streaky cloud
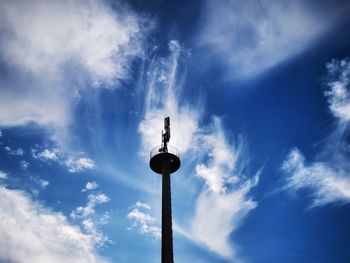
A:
x,y
327,177
223,198
251,37
327,184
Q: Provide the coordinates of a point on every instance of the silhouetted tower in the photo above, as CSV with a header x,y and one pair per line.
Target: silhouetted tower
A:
x,y
165,159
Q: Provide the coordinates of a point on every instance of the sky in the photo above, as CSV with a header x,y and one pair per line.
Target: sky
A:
x,y
258,93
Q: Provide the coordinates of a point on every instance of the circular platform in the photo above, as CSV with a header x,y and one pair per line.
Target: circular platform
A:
x,y
160,159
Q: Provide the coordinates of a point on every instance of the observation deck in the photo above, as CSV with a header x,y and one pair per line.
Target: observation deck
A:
x,y
169,157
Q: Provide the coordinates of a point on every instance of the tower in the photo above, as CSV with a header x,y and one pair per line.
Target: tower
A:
x,y
165,160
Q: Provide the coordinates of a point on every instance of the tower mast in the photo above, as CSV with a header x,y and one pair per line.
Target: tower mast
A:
x,y
165,160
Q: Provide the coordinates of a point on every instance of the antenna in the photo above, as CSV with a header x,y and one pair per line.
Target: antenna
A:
x,y
166,134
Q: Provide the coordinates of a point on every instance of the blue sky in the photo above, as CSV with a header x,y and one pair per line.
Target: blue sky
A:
x,y
258,96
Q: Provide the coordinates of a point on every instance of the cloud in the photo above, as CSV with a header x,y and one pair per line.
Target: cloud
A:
x,y
31,233
162,100
223,159
43,184
53,48
89,209
91,221
79,164
90,186
18,152
143,220
91,227
226,214
250,37
224,200
74,163
3,175
45,154
338,89
24,164
327,184
327,176
226,193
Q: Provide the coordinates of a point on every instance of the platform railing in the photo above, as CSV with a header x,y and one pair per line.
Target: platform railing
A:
x,y
159,149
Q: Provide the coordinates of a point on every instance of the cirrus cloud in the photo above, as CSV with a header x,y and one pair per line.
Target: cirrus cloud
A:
x,y
327,176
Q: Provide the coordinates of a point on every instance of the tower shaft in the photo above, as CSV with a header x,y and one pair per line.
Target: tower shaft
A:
x,y
167,233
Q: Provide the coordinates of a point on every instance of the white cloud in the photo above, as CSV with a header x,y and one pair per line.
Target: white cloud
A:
x,y
338,93
327,176
218,215
74,163
89,209
142,219
327,184
54,47
91,221
46,35
45,154
90,186
79,164
3,175
162,101
91,228
24,164
18,152
222,159
250,37
1,134
31,233
43,184
224,201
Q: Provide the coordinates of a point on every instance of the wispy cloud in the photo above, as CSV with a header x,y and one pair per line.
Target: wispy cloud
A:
x,y
18,152
162,100
3,175
141,218
55,48
327,184
223,159
338,93
224,200
24,164
75,163
226,194
250,37
327,177
32,228
91,221
43,184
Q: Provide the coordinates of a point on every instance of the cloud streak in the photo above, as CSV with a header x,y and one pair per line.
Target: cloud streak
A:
x,y
327,177
251,37
327,184
223,200
226,193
